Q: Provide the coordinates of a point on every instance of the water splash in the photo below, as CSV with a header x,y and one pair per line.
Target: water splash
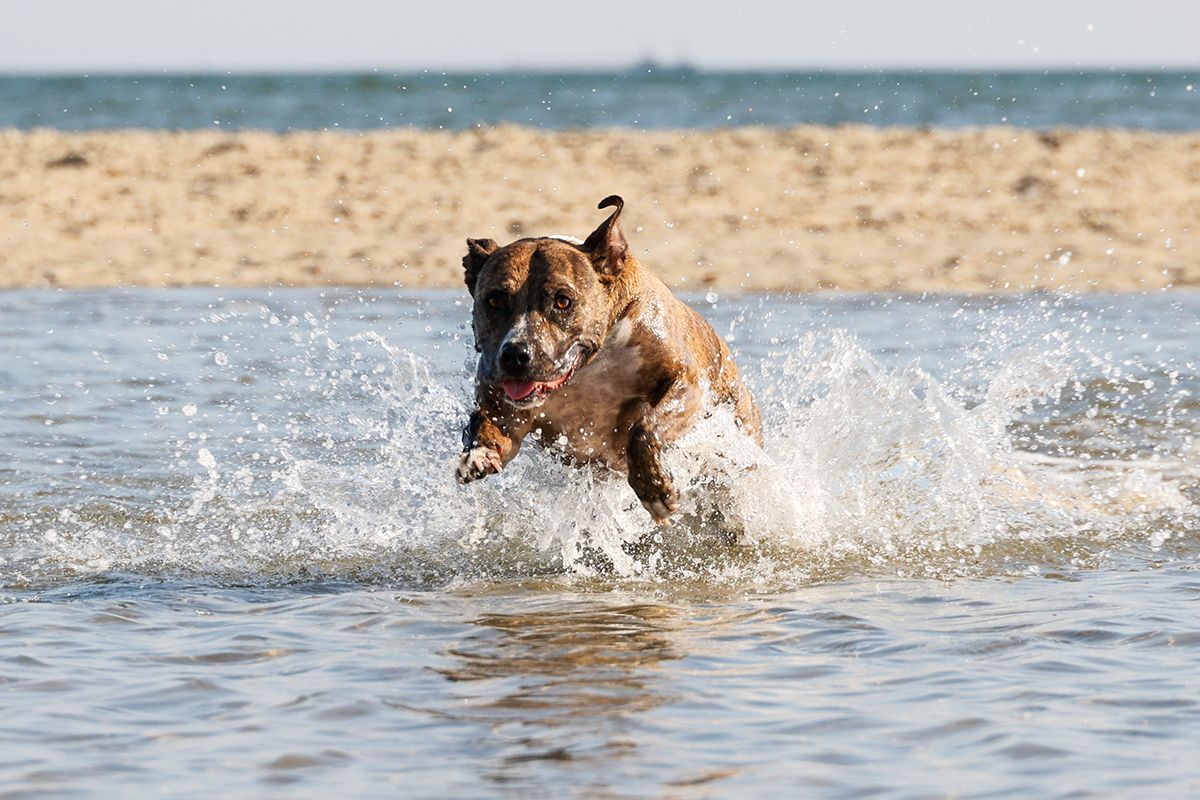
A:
x,y
1021,457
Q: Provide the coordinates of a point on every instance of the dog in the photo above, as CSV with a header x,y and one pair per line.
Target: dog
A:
x,y
583,347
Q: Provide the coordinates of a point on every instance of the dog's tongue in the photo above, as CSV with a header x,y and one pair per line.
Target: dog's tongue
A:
x,y
519,390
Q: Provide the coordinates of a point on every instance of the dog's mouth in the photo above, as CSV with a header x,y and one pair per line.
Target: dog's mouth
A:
x,y
533,392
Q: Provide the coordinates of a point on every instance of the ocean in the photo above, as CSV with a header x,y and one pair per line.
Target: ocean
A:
x,y
234,562
650,98
232,556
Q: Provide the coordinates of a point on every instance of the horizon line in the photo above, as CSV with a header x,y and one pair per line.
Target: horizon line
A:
x,y
627,69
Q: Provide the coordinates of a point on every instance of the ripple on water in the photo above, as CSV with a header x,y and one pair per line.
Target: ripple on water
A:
x,y
970,542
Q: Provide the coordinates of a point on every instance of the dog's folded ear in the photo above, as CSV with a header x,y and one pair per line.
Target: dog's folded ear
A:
x,y
607,245
478,252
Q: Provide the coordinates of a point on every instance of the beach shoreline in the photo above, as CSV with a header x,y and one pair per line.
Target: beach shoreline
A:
x,y
804,208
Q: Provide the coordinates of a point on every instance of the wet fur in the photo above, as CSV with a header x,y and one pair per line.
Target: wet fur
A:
x,y
652,365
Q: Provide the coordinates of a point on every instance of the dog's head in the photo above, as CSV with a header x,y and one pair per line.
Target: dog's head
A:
x,y
543,306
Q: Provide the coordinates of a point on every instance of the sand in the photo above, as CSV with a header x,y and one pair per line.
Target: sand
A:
x,y
804,208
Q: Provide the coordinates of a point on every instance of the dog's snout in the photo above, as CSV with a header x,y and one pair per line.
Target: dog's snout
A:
x,y
515,357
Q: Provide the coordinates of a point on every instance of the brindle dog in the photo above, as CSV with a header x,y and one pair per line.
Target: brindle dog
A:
x,y
583,347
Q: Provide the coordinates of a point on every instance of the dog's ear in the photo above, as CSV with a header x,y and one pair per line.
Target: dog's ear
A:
x,y
607,245
478,252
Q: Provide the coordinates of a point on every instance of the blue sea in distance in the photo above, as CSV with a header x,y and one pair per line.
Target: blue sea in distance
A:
x,y
650,98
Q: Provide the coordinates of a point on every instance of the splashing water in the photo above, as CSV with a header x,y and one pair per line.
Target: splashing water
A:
x,y
304,436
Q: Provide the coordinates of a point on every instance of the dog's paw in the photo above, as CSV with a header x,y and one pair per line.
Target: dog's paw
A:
x,y
648,476
662,509
476,463
658,496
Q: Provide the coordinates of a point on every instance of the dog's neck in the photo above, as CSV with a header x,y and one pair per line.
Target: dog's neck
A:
x,y
624,290
563,237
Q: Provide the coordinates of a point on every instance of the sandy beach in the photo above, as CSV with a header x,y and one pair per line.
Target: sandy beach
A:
x,y
804,208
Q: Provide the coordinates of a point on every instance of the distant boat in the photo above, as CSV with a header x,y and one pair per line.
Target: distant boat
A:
x,y
657,67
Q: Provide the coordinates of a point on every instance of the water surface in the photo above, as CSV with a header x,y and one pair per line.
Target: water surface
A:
x,y
651,98
232,556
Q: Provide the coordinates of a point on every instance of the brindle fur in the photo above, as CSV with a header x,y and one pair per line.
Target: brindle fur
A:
x,y
650,366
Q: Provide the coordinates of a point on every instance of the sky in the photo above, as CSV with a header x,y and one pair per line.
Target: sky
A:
x,y
305,35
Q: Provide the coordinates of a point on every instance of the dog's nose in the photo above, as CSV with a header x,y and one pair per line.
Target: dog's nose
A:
x,y
515,357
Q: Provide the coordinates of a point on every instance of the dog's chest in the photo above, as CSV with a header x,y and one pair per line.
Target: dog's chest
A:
x,y
585,419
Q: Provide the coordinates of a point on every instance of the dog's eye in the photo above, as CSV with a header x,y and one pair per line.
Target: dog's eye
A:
x,y
496,300
562,302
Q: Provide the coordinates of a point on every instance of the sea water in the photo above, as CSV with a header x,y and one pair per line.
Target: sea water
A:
x,y
233,556
648,97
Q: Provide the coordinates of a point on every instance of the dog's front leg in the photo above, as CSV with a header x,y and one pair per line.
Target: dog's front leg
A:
x,y
653,430
490,441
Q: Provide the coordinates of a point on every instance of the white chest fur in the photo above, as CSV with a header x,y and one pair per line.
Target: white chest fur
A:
x,y
585,416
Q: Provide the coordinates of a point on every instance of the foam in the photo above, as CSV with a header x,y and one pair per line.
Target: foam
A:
x,y
865,467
